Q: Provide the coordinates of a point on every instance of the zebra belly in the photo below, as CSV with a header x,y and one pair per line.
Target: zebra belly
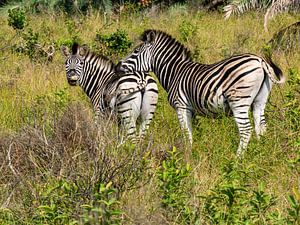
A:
x,y
215,105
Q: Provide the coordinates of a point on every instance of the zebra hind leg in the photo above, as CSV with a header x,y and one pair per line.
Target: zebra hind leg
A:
x,y
127,124
259,105
129,110
148,108
259,119
241,116
242,96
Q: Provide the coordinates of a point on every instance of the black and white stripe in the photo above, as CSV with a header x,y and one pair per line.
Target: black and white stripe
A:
x,y
131,94
233,85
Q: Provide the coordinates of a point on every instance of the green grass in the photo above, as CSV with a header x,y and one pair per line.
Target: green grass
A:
x,y
58,159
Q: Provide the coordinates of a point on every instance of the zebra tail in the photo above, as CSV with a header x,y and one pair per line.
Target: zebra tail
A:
x,y
141,87
274,72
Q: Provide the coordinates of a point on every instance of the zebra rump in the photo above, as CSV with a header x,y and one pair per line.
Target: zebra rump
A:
x,y
233,85
130,95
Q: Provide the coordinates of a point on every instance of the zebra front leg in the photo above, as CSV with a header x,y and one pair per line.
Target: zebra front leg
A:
x,y
185,119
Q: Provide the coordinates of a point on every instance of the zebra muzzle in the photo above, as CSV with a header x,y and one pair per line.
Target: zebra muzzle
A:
x,y
72,80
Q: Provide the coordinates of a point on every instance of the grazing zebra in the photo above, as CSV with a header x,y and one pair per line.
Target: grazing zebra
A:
x,y
131,94
232,85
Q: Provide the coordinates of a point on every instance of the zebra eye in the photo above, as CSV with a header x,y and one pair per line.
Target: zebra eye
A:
x,y
81,63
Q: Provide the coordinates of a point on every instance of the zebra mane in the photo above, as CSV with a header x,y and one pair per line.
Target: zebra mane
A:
x,y
75,48
92,55
166,36
100,58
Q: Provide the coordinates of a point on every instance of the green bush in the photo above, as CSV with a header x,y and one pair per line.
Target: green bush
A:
x,y
187,30
62,201
103,208
115,44
31,46
57,203
174,188
31,40
232,202
17,18
171,176
8,216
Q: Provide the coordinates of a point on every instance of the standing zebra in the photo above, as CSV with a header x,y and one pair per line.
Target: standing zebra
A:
x,y
232,85
131,94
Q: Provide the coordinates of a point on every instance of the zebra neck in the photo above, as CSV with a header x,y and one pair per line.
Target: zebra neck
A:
x,y
95,78
166,72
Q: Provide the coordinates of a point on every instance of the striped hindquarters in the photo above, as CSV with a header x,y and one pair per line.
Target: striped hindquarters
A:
x,y
136,95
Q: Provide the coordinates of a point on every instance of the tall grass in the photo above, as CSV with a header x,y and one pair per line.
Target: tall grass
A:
x,y
56,167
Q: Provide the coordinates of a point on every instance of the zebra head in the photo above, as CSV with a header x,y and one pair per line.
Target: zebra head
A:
x,y
74,62
141,57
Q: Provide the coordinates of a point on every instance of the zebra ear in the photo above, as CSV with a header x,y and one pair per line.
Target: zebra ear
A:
x,y
83,50
65,51
151,37
148,36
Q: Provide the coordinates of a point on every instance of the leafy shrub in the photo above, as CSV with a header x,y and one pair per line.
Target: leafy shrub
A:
x,y
187,30
57,203
17,18
103,208
31,39
66,202
198,54
32,47
40,6
73,30
170,2
71,27
115,44
130,9
69,7
7,216
232,202
171,175
64,41
173,188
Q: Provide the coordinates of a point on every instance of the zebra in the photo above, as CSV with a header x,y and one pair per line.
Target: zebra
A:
x,y
232,85
130,95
